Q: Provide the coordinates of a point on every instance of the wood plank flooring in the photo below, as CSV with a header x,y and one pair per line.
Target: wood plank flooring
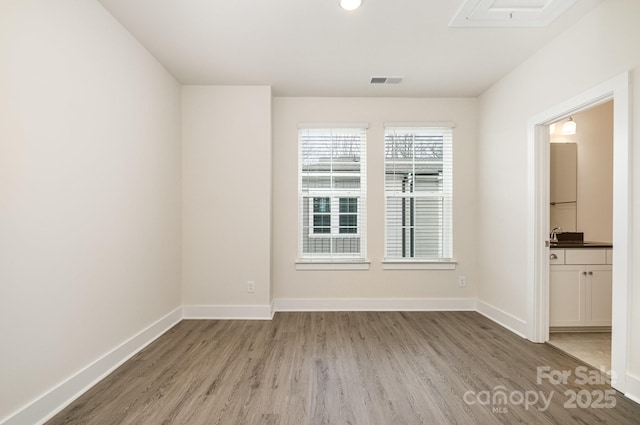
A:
x,y
356,368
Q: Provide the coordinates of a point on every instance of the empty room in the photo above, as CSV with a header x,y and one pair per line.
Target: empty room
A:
x,y
306,212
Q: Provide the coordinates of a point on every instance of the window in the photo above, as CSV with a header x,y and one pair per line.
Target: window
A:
x,y
332,193
321,215
418,193
348,215
345,210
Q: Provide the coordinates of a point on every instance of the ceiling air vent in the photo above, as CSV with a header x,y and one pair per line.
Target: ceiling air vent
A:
x,y
386,80
509,13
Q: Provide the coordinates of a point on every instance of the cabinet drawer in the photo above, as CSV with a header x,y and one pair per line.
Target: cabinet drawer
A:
x,y
585,256
609,256
559,256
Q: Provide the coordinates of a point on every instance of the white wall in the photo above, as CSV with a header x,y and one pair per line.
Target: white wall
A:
x,y
226,135
89,192
601,46
375,282
594,139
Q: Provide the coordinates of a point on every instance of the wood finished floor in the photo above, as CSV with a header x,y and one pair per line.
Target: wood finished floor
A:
x,y
356,368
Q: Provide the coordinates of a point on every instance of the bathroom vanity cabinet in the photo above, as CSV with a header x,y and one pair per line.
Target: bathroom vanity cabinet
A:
x,y
580,286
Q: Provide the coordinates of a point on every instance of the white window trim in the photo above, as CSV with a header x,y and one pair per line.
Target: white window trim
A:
x,y
330,125
411,264
335,261
419,124
333,264
420,263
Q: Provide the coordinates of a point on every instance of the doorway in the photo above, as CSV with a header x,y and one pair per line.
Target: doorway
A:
x,y
581,226
616,89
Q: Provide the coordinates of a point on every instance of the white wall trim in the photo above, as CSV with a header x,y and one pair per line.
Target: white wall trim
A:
x,y
53,401
504,319
633,388
228,312
374,304
618,89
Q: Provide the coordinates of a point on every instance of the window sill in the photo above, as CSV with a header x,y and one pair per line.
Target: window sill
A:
x,y
332,265
419,265
333,235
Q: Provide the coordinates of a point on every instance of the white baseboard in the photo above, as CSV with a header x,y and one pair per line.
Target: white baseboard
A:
x,y
504,319
228,312
632,384
374,304
52,402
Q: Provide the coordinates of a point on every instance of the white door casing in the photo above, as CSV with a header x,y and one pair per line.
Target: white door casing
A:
x,y
618,89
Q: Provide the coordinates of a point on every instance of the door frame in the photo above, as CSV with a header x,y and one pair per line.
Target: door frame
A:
x,y
538,168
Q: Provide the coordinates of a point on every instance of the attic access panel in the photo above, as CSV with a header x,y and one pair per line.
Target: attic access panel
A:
x,y
509,13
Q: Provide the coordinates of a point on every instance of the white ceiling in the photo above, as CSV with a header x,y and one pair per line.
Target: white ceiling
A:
x,y
314,48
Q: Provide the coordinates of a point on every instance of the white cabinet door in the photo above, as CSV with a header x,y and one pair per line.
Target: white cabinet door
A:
x,y
598,292
567,296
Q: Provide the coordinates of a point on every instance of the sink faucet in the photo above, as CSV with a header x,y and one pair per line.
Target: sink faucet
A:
x,y
554,234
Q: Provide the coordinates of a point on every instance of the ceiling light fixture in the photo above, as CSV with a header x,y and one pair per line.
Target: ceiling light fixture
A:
x,y
569,128
350,4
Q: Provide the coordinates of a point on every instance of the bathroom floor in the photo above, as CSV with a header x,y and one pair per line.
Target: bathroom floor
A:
x,y
593,348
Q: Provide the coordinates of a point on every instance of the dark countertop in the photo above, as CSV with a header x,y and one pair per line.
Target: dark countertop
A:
x,y
576,244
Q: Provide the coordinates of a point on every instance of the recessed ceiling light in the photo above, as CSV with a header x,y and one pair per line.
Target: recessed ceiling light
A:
x,y
350,4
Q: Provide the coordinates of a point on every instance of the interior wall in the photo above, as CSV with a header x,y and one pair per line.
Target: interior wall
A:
x,y
594,139
89,192
289,283
226,139
599,47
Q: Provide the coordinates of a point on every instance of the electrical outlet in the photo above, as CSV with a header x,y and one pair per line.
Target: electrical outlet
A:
x,y
251,287
462,281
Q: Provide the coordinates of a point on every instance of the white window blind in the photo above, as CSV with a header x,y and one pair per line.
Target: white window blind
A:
x,y
332,193
418,193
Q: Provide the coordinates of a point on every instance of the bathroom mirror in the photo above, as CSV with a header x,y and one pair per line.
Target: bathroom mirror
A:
x,y
564,186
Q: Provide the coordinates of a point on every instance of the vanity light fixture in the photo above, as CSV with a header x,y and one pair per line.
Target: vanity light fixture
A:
x,y
569,127
350,4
